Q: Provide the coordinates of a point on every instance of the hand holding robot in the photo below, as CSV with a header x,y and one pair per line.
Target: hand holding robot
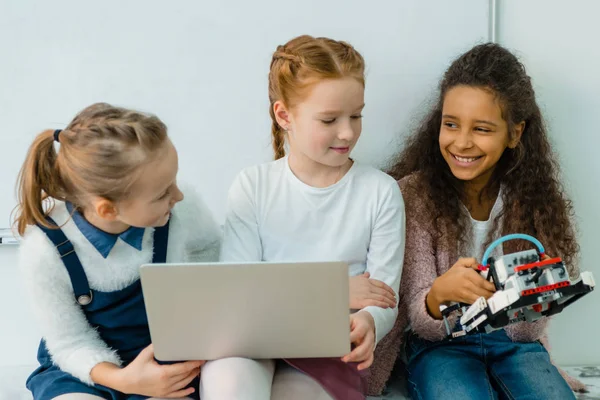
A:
x,y
529,285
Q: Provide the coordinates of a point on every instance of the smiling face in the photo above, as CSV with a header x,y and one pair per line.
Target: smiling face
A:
x,y
473,133
155,192
324,127
151,198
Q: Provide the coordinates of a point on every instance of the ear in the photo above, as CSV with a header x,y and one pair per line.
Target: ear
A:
x,y
517,133
281,114
105,209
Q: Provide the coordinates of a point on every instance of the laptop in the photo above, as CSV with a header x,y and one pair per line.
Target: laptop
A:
x,y
260,310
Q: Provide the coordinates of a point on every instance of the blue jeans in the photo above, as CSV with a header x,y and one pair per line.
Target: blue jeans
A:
x,y
482,366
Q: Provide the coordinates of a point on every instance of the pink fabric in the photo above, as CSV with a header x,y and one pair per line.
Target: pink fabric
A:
x,y
341,380
425,260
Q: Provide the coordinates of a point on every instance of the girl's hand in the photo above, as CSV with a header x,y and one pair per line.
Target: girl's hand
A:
x,y
366,292
462,283
362,336
146,377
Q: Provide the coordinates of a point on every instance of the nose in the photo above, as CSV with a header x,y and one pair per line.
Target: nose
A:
x,y
177,196
463,139
348,132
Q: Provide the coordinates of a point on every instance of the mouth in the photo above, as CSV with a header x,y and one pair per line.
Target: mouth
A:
x,y
465,160
341,150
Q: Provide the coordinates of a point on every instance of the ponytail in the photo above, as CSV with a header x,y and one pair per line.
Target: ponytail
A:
x,y
38,180
95,159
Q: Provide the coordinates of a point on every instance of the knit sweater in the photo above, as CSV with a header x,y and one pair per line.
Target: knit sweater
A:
x,y
74,345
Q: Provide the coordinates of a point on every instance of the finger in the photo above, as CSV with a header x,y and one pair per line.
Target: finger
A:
x,y
176,378
358,354
357,331
467,263
367,363
180,393
198,362
379,284
367,275
479,281
489,286
182,382
480,291
177,383
468,293
357,334
182,367
147,354
381,298
382,294
468,298
361,352
473,276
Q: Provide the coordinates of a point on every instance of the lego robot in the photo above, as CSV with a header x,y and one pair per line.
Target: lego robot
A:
x,y
529,286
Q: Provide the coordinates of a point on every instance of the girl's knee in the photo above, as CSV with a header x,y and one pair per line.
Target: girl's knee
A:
x,y
291,384
236,378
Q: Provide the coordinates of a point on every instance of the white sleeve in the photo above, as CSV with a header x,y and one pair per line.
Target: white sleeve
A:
x,y
241,239
203,235
386,253
74,345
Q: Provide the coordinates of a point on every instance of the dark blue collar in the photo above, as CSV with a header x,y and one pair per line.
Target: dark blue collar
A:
x,y
104,241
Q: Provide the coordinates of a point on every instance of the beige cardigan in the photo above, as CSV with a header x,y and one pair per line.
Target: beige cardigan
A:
x,y
424,261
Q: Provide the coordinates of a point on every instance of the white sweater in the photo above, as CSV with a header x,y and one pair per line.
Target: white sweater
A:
x,y
273,216
74,345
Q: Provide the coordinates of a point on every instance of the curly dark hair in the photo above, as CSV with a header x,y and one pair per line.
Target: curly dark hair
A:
x,y
534,200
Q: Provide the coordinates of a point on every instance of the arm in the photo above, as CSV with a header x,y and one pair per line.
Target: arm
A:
x,y
241,239
385,255
146,377
419,266
74,345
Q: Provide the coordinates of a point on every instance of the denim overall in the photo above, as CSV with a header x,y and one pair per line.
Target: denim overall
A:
x,y
118,316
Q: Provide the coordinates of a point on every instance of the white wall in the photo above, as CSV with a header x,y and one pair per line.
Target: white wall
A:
x,y
202,67
558,42
19,335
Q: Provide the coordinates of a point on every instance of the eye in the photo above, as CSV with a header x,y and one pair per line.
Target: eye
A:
x,y
481,129
450,125
356,116
164,196
328,121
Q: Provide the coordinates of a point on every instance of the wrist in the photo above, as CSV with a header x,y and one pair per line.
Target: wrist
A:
x,y
111,376
369,318
433,302
435,294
